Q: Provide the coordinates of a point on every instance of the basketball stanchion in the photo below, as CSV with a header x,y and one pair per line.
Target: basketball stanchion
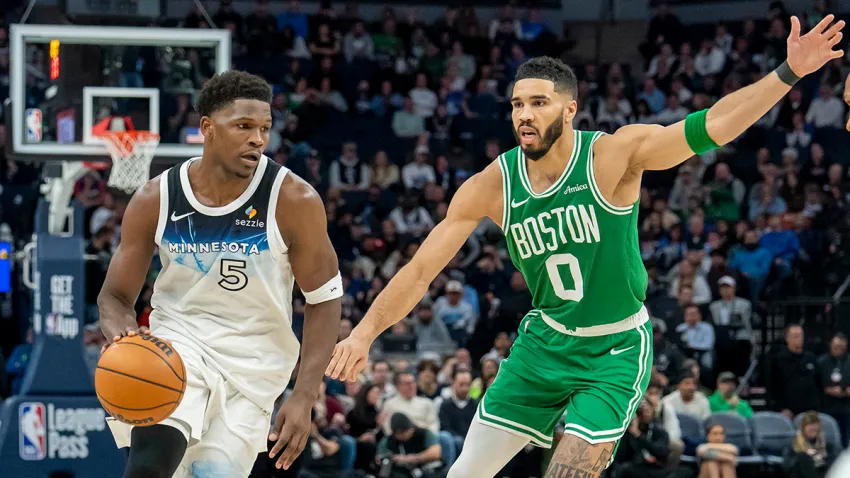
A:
x,y
57,421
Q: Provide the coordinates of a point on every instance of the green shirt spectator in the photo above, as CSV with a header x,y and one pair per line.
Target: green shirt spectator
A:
x,y
725,399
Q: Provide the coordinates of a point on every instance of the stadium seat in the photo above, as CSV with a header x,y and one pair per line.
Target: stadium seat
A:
x,y
693,434
738,433
772,433
829,427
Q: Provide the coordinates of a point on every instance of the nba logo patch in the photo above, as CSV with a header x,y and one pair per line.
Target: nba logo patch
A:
x,y
33,125
32,426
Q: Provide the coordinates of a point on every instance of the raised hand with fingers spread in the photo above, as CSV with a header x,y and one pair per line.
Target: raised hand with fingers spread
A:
x,y
809,52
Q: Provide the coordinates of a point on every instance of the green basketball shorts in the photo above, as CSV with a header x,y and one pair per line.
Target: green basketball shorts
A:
x,y
598,375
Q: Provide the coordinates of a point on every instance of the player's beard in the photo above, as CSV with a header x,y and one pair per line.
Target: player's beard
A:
x,y
553,132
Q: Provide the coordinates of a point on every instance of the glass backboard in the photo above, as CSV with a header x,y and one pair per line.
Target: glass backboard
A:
x,y
68,83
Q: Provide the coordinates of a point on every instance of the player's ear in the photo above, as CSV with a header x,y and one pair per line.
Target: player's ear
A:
x,y
570,110
207,127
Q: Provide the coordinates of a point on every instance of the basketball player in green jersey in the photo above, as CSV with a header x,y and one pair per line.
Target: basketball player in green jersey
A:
x,y
567,202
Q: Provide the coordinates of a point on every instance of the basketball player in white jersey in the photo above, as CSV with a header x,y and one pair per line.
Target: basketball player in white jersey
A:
x,y
234,231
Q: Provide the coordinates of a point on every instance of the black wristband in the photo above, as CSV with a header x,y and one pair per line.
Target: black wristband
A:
x,y
786,74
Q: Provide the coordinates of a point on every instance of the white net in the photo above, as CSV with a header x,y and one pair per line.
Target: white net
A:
x,y
131,152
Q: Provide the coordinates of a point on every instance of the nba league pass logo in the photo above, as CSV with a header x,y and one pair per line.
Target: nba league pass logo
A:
x,y
47,432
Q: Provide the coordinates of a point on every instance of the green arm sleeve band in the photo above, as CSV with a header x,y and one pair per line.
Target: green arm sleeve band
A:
x,y
696,134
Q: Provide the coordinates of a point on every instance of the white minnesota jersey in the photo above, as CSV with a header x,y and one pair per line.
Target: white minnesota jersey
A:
x,y
225,288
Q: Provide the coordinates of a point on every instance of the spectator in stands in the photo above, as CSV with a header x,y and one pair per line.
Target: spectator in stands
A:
x,y
687,275
457,314
407,124
382,377
348,173
725,195
826,111
667,358
686,194
692,366
357,44
645,446
489,369
323,458
834,368
411,218
420,410
732,319
331,97
387,101
710,59
794,381
457,411
409,451
294,19
670,422
782,244
687,399
418,172
726,400
718,457
653,96
385,174
431,333
810,454
426,380
364,423
753,262
697,338
424,99
260,30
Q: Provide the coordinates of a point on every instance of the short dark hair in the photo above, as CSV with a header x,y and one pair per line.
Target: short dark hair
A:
x,y
398,375
459,369
552,69
687,374
223,89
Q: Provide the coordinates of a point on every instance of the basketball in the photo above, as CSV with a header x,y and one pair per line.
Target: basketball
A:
x,y
140,380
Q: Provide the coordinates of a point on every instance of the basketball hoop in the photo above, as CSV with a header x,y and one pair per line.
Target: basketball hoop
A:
x,y
131,152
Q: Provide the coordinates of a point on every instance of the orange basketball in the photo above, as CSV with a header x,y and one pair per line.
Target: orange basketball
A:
x,y
140,380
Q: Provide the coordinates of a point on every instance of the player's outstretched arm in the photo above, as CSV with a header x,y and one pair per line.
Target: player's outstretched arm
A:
x,y
477,198
304,227
656,148
129,265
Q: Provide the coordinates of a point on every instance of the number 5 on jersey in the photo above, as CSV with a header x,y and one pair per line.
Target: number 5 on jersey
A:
x,y
233,277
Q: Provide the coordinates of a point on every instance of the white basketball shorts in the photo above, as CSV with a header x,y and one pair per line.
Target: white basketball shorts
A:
x,y
224,430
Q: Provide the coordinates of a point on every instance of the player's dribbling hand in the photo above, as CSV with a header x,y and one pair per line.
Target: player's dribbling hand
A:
x,y
292,427
349,358
129,332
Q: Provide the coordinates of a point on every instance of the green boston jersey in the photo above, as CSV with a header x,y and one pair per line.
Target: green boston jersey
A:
x,y
579,254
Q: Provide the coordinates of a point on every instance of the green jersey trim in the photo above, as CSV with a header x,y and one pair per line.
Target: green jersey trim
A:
x,y
523,171
506,192
594,188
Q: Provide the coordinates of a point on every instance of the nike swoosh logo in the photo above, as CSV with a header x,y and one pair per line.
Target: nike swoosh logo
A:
x,y
618,352
175,217
514,202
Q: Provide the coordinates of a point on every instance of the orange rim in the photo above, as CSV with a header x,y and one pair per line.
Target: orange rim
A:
x,y
96,165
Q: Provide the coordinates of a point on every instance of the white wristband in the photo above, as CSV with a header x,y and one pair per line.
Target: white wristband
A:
x,y
332,289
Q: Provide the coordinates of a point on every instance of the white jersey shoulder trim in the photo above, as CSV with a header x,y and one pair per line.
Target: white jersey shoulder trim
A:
x,y
273,230
163,207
